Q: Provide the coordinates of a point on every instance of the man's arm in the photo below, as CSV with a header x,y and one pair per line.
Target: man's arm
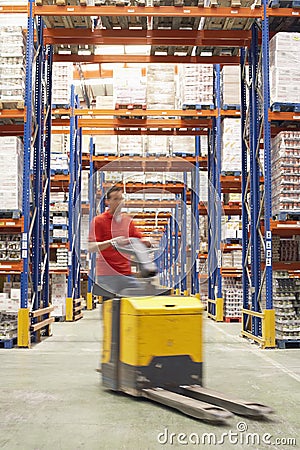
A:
x,y
98,246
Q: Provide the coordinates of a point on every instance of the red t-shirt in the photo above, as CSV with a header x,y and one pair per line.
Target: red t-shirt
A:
x,y
105,227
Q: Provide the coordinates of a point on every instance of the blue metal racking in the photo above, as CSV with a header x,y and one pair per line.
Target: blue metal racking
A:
x,y
34,309
73,301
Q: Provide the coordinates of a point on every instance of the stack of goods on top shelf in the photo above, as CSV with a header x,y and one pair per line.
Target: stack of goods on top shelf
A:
x,y
285,153
62,78
286,301
12,63
59,294
129,88
11,173
233,298
231,87
195,86
284,68
231,145
161,86
104,145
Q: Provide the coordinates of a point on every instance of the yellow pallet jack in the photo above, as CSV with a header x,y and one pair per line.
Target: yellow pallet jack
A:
x,y
152,348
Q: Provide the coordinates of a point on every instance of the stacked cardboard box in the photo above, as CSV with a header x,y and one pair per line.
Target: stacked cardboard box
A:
x,y
284,64
129,87
158,146
8,322
194,85
11,173
58,294
233,297
131,145
286,301
182,145
231,85
231,227
231,145
59,163
161,86
85,186
10,247
62,78
285,151
12,57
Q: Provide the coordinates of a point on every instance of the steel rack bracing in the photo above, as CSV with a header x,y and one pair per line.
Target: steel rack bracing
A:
x,y
215,298
258,316
34,313
73,301
92,213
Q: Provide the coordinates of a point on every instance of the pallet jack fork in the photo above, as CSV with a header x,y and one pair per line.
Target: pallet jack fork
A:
x,y
152,348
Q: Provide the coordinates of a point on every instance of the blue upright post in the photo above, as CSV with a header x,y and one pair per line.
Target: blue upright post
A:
x,y
47,174
77,206
166,256
183,236
102,198
37,173
170,252
267,156
255,172
218,159
71,197
195,218
245,224
176,245
92,213
27,151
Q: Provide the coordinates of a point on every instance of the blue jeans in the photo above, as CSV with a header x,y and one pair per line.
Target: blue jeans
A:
x,y
116,283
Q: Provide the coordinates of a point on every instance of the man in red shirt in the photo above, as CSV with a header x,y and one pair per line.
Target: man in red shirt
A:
x,y
113,269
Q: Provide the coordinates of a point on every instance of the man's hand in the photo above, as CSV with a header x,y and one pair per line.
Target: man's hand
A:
x,y
119,241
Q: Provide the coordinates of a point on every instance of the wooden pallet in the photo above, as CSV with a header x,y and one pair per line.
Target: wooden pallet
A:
x,y
8,343
11,104
285,107
288,343
229,319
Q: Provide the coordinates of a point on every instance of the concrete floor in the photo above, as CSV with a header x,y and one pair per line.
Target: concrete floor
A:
x,y
51,396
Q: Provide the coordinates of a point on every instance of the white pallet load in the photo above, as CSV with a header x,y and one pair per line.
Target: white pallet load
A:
x,y
130,145
158,146
12,63
284,68
60,143
233,297
231,145
11,173
285,151
59,162
231,85
182,145
194,85
129,87
62,78
58,294
85,186
161,86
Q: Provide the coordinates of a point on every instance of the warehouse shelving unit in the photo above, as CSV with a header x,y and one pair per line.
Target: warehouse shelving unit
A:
x,y
258,320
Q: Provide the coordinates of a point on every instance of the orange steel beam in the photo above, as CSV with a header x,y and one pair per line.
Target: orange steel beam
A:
x,y
136,132
12,114
283,12
146,123
218,38
141,112
13,9
156,59
147,11
11,130
290,116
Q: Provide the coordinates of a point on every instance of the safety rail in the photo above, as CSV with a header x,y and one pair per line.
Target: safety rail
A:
x,y
29,332
73,309
219,309
267,317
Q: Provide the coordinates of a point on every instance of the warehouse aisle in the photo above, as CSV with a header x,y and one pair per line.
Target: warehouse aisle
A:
x,y
51,397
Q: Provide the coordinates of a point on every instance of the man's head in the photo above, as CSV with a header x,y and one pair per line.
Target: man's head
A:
x,y
114,199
